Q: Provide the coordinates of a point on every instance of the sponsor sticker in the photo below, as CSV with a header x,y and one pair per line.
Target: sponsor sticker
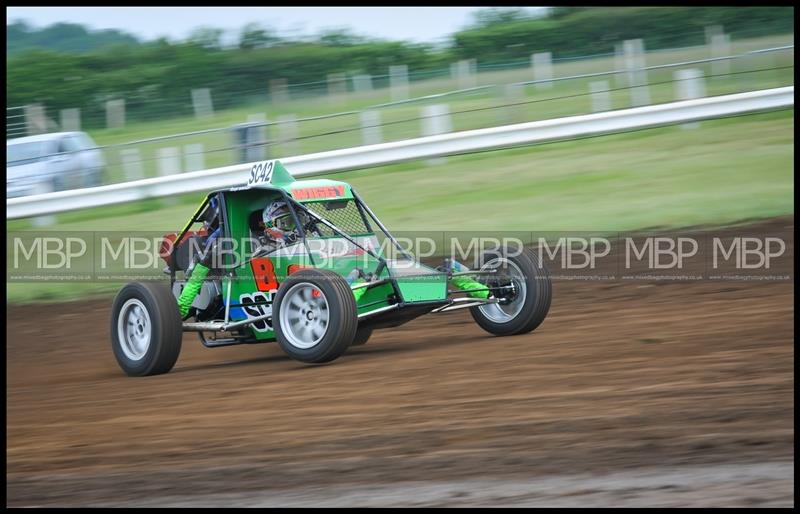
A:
x,y
318,193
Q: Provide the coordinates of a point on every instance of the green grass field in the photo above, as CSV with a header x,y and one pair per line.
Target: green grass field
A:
x,y
723,172
402,121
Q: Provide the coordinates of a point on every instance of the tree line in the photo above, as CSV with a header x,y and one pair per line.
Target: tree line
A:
x,y
155,77
65,37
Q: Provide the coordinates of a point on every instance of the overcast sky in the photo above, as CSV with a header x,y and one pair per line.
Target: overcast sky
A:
x,y
429,24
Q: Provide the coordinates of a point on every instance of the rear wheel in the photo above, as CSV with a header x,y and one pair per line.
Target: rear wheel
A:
x,y
146,329
522,284
362,336
316,316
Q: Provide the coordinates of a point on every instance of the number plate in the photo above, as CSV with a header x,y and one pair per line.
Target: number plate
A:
x,y
261,173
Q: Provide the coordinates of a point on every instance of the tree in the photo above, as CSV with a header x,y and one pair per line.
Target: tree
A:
x,y
18,27
340,37
560,12
498,15
255,36
207,37
64,37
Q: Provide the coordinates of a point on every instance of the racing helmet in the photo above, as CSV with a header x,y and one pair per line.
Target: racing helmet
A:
x,y
278,216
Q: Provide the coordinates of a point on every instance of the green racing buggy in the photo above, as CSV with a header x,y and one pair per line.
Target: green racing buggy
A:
x,y
341,276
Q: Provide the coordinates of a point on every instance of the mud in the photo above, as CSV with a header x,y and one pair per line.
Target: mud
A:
x,y
626,389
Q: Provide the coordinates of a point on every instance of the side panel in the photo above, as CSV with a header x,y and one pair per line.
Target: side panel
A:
x,y
375,298
417,282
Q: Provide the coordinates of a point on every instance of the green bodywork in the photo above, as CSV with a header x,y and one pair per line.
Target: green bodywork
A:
x,y
413,282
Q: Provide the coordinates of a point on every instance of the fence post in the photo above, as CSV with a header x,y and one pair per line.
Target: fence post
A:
x,y
637,77
398,82
371,133
260,149
337,87
278,90
131,164
542,69
689,84
201,101
436,120
720,47
169,163
711,31
193,158
287,133
464,74
601,98
362,83
35,120
115,113
71,120
620,78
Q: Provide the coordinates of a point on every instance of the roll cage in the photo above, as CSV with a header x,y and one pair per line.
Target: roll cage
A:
x,y
213,210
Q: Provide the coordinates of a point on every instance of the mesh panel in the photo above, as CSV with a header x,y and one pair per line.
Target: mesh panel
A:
x,y
342,213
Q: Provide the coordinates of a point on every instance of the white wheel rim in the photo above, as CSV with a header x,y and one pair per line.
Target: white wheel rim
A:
x,y
304,315
503,313
133,329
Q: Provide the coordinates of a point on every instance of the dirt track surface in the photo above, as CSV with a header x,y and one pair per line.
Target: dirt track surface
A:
x,y
629,394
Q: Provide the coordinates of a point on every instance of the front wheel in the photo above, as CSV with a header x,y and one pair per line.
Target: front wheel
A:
x,y
316,316
522,284
146,329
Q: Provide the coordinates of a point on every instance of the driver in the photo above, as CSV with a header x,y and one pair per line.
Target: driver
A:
x,y
279,227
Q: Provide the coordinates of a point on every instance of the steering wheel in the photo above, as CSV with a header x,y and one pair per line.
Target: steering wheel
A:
x,y
311,227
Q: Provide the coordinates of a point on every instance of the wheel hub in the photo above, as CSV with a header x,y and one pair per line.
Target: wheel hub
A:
x,y
133,329
304,315
509,288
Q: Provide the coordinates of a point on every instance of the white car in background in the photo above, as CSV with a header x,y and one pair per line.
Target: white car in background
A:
x,y
52,162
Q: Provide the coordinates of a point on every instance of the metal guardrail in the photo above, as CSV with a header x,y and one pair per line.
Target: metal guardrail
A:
x,y
411,149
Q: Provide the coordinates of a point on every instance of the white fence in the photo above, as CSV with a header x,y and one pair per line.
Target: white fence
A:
x,y
411,149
